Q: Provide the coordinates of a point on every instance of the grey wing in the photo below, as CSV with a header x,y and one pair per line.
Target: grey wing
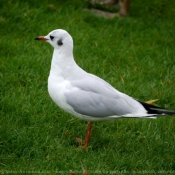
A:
x,y
96,105
95,97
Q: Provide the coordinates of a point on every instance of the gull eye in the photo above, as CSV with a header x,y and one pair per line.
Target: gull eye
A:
x,y
51,37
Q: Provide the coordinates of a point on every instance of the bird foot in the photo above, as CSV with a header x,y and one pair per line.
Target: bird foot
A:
x,y
85,142
84,172
82,142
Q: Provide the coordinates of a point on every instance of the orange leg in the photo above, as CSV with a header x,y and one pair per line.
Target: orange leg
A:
x,y
85,142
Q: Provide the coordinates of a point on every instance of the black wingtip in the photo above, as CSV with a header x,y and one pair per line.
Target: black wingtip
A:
x,y
36,38
151,109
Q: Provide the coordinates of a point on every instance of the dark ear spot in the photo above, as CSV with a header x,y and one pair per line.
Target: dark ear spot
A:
x,y
60,42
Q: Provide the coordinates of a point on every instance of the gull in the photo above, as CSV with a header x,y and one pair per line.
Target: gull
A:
x,y
85,95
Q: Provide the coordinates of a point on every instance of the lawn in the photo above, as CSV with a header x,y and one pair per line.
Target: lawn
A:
x,y
135,54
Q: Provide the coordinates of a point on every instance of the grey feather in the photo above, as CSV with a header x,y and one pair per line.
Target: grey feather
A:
x,y
96,105
97,98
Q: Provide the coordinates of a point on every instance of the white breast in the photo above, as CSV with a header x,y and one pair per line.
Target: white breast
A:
x,y
56,88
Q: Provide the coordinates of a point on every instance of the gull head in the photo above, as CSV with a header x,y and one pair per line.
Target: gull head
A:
x,y
59,39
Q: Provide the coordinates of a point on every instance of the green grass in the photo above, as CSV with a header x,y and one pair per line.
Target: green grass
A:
x,y
136,55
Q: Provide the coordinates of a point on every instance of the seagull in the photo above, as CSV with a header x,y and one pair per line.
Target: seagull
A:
x,y
85,95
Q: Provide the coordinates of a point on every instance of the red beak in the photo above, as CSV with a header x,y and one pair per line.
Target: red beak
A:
x,y
41,38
